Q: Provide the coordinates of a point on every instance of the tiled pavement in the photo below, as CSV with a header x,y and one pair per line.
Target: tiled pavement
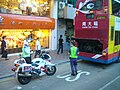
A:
x,y
6,65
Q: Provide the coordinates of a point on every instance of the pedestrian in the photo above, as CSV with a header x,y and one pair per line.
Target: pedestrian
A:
x,y
60,45
28,10
38,48
4,48
67,43
73,58
26,51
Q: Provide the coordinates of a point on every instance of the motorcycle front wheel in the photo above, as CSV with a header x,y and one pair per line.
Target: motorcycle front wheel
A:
x,y
24,80
50,71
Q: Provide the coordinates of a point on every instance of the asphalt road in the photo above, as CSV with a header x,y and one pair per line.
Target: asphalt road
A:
x,y
91,76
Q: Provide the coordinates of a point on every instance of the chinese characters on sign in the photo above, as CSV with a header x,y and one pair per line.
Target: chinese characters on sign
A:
x,y
90,24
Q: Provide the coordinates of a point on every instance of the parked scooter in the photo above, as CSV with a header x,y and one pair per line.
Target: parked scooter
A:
x,y
24,72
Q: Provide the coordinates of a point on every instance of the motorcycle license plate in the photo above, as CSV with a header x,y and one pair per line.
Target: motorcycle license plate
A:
x,y
27,68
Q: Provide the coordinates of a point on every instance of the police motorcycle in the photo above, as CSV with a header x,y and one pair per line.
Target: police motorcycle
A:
x,y
24,72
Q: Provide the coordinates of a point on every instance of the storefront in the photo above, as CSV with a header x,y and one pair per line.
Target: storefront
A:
x,y
26,7
18,27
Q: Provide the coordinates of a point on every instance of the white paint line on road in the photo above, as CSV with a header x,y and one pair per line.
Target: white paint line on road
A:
x,y
109,83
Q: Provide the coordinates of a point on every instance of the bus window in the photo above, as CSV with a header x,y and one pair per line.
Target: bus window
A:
x,y
112,33
90,16
117,37
98,4
93,5
116,7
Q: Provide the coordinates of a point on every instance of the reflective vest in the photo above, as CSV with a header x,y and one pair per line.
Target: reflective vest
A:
x,y
73,52
26,52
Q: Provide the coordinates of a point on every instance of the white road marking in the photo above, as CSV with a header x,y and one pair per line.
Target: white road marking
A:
x,y
77,76
59,76
18,87
34,87
109,83
64,75
68,76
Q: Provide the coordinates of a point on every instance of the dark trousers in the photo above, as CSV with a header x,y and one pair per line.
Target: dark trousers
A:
x,y
37,52
4,53
60,48
28,60
73,64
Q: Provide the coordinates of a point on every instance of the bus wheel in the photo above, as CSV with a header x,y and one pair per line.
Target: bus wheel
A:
x,y
118,61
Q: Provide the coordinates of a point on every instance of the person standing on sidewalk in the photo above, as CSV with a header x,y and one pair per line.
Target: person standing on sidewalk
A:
x,y
38,48
73,58
3,48
60,45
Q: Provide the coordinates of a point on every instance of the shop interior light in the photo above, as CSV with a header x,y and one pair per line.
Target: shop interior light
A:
x,y
28,3
45,2
47,7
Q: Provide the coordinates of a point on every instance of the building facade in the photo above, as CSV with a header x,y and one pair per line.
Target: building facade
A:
x,y
27,13
66,13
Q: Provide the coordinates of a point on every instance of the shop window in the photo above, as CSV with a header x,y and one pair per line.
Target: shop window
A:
x,y
70,1
15,38
73,2
26,7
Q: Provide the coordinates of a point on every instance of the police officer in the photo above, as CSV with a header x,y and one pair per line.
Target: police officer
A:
x,y
73,58
26,50
26,53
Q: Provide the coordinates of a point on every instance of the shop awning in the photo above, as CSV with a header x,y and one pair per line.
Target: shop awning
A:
x,y
10,21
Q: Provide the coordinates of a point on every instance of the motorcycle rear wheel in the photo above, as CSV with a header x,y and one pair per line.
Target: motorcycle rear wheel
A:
x,y
50,71
24,80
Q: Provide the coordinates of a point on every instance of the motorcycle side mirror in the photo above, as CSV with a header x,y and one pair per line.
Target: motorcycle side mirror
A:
x,y
43,51
46,47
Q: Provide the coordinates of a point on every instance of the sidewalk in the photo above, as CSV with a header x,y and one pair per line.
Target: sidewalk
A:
x,y
6,65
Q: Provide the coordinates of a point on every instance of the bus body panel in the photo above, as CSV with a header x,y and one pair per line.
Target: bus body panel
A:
x,y
99,58
95,31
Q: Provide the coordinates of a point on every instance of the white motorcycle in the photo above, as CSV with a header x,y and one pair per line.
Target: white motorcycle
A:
x,y
24,72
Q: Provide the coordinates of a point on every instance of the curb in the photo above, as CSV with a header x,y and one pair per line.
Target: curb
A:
x,y
14,54
7,76
12,74
57,64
